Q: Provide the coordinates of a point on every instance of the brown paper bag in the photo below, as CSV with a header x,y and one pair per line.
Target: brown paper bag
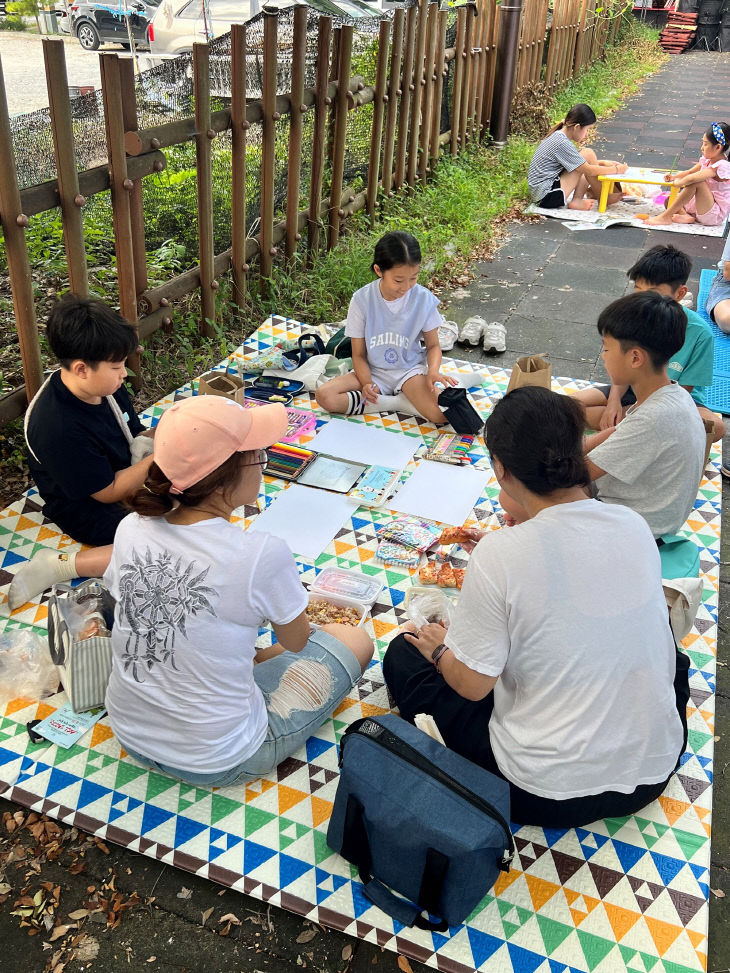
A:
x,y
530,370
222,383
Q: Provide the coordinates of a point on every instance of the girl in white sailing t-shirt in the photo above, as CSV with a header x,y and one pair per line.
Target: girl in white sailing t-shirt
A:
x,y
393,325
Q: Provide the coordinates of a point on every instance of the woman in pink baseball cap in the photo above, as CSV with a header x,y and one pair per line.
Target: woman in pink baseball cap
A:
x,y
189,694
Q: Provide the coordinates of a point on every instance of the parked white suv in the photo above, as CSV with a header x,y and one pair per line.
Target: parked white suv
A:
x,y
178,24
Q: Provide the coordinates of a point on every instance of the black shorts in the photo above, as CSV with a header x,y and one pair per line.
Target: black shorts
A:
x,y
555,198
627,399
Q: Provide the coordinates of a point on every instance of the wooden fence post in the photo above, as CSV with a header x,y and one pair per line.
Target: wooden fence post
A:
x,y
344,62
239,128
381,78
203,163
458,78
121,187
136,209
320,130
396,52
469,97
14,223
481,71
440,71
268,135
406,88
69,196
299,51
419,81
429,77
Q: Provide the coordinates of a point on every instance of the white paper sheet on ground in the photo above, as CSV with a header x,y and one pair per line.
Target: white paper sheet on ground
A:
x,y
306,519
441,492
362,443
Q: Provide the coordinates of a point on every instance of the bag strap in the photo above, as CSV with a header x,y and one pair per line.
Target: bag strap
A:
x,y
305,349
356,848
55,643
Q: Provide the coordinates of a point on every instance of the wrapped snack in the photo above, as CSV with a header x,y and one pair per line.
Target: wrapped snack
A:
x,y
431,606
86,616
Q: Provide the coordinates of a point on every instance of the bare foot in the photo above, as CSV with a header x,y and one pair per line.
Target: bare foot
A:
x,y
683,218
662,219
584,204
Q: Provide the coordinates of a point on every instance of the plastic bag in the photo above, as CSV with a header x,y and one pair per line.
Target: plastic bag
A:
x,y
430,606
25,667
85,616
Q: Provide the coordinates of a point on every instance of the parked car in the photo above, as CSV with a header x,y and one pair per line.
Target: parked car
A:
x,y
63,17
94,24
178,24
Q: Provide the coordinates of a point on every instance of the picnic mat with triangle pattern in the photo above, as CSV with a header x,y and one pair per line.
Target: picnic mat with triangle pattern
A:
x,y
623,894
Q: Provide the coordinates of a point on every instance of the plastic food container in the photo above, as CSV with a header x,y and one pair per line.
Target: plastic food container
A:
x,y
351,589
347,584
338,600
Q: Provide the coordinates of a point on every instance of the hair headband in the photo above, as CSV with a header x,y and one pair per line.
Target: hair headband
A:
x,y
718,133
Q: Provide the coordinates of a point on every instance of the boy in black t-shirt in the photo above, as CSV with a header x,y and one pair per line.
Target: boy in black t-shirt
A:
x,y
87,448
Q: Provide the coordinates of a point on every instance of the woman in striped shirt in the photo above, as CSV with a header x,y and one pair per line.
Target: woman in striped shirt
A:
x,y
559,169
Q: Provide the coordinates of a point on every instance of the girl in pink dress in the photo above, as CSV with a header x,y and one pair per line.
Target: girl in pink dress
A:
x,y
705,188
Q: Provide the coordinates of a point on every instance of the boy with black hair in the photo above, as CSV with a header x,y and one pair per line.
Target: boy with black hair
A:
x,y
652,460
87,448
664,269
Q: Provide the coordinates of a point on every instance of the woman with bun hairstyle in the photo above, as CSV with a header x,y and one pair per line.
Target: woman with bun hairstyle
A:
x,y
559,671
189,694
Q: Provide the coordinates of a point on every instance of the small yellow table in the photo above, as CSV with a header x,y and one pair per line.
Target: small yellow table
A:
x,y
649,177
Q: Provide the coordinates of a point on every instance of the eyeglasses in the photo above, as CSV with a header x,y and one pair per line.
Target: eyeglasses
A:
x,y
262,461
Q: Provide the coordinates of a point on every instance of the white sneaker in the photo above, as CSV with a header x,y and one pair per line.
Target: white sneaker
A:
x,y
471,330
493,339
448,333
688,299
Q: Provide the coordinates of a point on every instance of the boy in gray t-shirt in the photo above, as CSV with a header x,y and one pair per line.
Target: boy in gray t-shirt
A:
x,y
652,460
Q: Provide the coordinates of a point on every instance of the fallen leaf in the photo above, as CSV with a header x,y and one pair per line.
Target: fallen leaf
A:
x,y
404,965
151,959
718,893
79,914
306,936
346,951
60,931
184,893
207,914
229,917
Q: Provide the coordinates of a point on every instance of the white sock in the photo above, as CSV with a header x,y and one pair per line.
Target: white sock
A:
x,y
42,571
392,403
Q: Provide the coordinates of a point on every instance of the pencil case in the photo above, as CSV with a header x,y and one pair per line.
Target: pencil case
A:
x,y
283,385
269,395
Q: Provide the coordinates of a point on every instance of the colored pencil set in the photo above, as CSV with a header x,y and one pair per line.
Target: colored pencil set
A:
x,y
287,461
452,449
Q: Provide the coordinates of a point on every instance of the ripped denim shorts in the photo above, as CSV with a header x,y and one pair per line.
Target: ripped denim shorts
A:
x,y
301,689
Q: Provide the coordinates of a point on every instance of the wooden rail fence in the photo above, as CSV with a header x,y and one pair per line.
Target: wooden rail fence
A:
x,y
419,81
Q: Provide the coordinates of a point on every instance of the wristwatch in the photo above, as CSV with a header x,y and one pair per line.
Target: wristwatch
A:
x,y
436,655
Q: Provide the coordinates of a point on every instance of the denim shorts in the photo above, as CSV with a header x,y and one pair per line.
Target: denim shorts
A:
x,y
719,291
330,669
